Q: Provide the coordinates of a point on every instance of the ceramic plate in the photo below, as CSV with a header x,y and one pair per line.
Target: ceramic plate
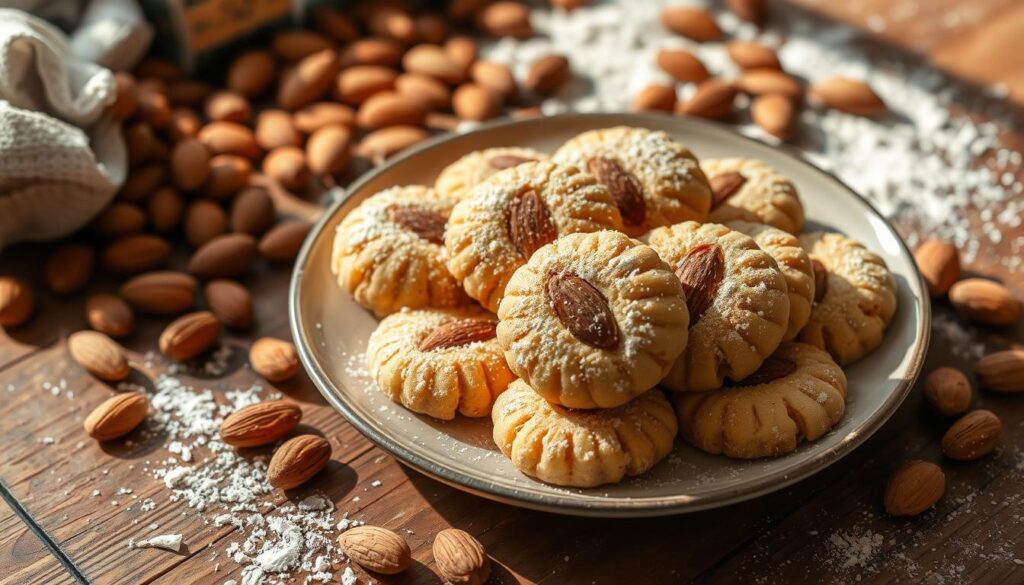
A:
x,y
331,332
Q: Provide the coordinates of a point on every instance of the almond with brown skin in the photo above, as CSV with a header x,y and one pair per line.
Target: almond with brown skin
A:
x,y
391,22
505,19
274,128
282,242
701,272
228,106
656,97
251,73
914,487
119,219
583,310
947,391
127,101
316,116
985,301
260,424
682,65
100,355
433,61
530,226
462,49
423,222
117,416
143,181
431,93
188,92
189,335
473,102
547,74
752,55
373,51
135,253
820,279
724,186
143,145
494,77
224,256
309,80
335,24
190,164
390,108
297,461
252,212
356,84
185,123
229,138
109,314
376,549
774,113
230,302
204,220
287,166
624,187
847,95
769,81
457,334
166,208
379,145
691,22
713,99
327,151
228,175
460,558
274,359
749,10
432,28
161,292
1002,371
973,436
69,268
939,263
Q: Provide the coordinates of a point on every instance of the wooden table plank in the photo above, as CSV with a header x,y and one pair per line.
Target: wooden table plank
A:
x,y
24,557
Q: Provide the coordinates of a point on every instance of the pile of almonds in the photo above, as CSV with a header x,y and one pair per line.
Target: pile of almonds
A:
x,y
917,485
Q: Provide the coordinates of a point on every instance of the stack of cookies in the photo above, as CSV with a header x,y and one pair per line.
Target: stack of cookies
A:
x,y
601,300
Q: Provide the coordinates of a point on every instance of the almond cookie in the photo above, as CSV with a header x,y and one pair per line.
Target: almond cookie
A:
x,y
795,265
750,190
388,252
593,320
797,394
856,299
655,180
459,178
582,448
737,300
439,361
509,216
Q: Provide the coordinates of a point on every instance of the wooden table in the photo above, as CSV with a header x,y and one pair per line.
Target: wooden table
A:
x,y
53,531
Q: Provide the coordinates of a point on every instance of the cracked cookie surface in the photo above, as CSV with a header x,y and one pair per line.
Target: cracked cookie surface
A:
x,y
459,178
750,190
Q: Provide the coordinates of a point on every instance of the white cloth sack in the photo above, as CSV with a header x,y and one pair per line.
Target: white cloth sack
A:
x,y
61,158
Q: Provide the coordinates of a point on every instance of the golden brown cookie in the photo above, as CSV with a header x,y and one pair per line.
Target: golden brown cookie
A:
x,y
857,301
750,190
797,394
795,265
737,300
511,215
439,361
388,252
593,320
655,180
459,178
582,448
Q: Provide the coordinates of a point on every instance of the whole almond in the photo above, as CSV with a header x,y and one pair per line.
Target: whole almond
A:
x,y
189,335
228,175
749,10
162,292
376,549
116,416
769,81
204,220
282,242
463,50
713,99
373,51
166,208
335,24
327,150
425,223
154,108
460,558
530,226
109,314
391,22
985,301
135,253
701,272
582,310
433,94
724,186
230,302
294,45
947,391
100,355
847,95
228,106
381,144
505,19
458,334
914,487
229,138
656,97
315,116
774,113
287,166
473,102
691,22
142,181
297,461
463,10
69,268
356,84
939,263
17,301
224,256
185,123
1002,371
252,211
390,108
624,187
493,76
547,74
752,55
251,73
433,61
119,219
972,436
309,80
274,359
682,65
143,145
127,101
260,424
274,128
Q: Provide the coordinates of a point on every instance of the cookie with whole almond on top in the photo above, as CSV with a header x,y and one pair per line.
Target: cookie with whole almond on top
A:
x,y
458,179
750,190
655,180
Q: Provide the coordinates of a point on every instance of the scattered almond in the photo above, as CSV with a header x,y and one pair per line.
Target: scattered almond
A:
x,y
282,242
100,355
162,292
985,301
914,487
335,24
109,314
297,44
391,22
120,219
204,220
135,253
189,335
274,128
547,74
462,50
433,61
356,84
460,558
376,549
228,174
166,208
682,65
117,416
316,116
274,359
656,97
431,93
749,10
713,99
390,108
229,138
260,424
69,268
230,302
1002,371
701,272
769,81
297,461
752,55
939,263
224,256
287,166
379,145
252,211
847,95
947,391
457,334
493,76
309,80
689,21
251,73
327,150
583,310
142,181
972,436
228,106
473,102
505,19
373,51
774,113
